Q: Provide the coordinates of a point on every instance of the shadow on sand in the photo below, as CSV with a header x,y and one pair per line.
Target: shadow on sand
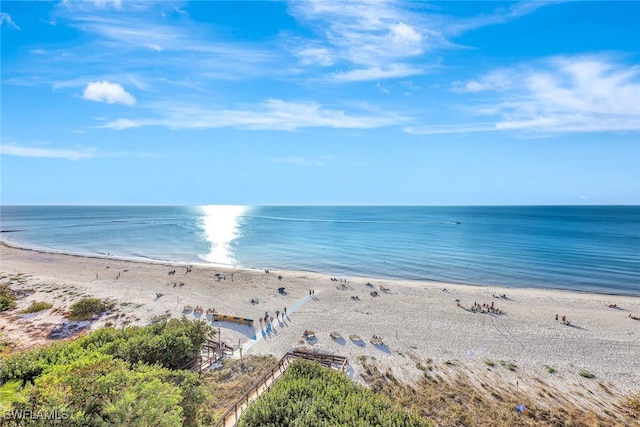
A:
x,y
245,330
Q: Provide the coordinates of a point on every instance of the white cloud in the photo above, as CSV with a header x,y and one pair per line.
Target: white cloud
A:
x,y
272,114
382,89
373,37
498,16
17,150
450,129
496,80
377,73
316,56
121,124
6,18
110,93
591,93
117,4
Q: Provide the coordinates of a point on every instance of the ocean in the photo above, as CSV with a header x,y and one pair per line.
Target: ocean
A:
x,y
595,248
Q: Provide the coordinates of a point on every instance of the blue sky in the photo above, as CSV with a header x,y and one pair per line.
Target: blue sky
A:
x,y
320,102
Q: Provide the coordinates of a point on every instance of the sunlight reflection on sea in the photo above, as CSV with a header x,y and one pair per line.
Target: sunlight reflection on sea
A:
x,y
222,225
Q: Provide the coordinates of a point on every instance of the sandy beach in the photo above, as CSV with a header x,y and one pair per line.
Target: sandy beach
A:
x,y
419,322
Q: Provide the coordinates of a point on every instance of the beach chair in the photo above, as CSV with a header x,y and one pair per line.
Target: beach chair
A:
x,y
376,340
309,334
335,335
354,337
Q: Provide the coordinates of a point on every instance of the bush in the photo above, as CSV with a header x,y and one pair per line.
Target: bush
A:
x,y
87,308
309,395
114,377
586,374
37,306
7,298
97,389
170,343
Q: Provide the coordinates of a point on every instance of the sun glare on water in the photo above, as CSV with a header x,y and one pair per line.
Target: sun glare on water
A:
x,y
221,224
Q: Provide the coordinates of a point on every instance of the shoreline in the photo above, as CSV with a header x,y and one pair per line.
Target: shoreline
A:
x,y
421,323
168,263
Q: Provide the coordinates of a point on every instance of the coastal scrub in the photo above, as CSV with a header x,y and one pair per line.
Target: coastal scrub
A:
x,y
87,308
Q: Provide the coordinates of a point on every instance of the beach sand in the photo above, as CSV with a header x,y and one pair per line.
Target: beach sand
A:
x,y
419,322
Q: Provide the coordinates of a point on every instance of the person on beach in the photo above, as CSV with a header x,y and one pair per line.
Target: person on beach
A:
x,y
285,311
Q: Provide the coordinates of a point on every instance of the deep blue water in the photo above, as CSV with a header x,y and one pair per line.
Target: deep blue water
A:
x,y
566,247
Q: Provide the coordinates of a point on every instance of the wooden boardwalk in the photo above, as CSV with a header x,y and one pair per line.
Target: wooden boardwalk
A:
x,y
234,412
210,353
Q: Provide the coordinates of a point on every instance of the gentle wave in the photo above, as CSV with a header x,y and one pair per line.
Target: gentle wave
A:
x,y
345,221
579,248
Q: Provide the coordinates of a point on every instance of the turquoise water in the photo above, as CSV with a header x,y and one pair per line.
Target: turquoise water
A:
x,y
566,247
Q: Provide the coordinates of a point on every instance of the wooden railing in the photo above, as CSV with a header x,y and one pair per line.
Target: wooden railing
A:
x,y
233,413
215,352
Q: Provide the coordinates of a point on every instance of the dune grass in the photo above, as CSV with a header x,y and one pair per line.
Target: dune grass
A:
x,y
37,306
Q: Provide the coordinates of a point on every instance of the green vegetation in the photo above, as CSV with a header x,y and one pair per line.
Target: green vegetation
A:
x,y
7,298
37,306
508,365
9,394
550,369
115,377
225,385
87,308
586,374
309,395
490,363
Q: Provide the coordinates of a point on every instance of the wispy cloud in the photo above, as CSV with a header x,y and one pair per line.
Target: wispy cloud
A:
x,y
378,73
22,151
150,39
384,39
272,114
5,18
158,38
108,92
373,38
500,15
592,93
116,4
452,128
